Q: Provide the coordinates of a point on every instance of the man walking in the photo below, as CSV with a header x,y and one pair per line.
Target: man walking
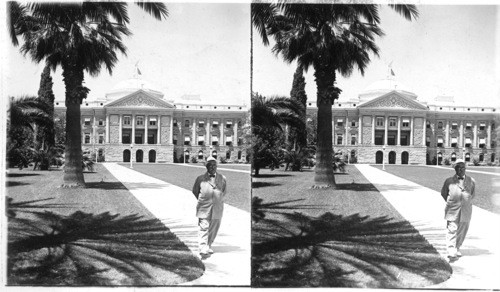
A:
x,y
209,189
458,192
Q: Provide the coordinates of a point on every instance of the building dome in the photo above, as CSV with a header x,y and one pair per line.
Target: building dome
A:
x,y
132,85
383,86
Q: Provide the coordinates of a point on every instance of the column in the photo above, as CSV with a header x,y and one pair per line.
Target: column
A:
x,y
346,129
399,131
412,119
488,136
133,130
425,134
107,128
146,122
120,140
360,130
221,138
461,131
474,137
208,138
235,131
159,130
373,130
447,135
386,130
194,133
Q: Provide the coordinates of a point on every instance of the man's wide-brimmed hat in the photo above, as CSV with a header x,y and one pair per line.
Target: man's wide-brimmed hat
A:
x,y
211,159
459,161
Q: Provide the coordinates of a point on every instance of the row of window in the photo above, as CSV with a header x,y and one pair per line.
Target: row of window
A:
x,y
201,123
100,139
467,157
454,142
139,121
379,122
201,140
454,125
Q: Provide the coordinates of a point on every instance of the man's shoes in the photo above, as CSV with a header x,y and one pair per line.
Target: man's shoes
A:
x,y
210,251
458,254
204,251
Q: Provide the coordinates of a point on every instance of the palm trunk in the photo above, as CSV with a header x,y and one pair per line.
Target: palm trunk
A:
x,y
75,92
325,78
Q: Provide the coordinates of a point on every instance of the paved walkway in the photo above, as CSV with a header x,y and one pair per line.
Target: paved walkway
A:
x,y
175,207
479,268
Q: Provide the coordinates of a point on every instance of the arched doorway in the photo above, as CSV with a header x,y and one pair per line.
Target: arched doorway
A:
x,y
492,157
152,156
440,158
453,157
186,156
126,155
214,154
404,157
467,157
481,157
392,157
228,154
379,157
139,155
200,155
239,154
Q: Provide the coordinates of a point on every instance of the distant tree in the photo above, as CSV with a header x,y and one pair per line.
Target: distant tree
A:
x,y
45,134
298,136
312,129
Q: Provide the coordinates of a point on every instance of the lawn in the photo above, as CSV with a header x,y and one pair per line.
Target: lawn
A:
x,y
348,237
238,183
487,193
97,236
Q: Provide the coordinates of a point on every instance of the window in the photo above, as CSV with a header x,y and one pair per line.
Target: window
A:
x,y
440,125
454,125
174,139
427,141
406,123
340,122
353,123
201,124
339,139
481,157
468,142
152,121
101,122
482,126
215,124
214,154
392,122
404,140
87,122
228,155
215,140
126,120
101,138
151,139
391,140
175,123
126,138
201,140
353,140
138,138
87,138
440,142
379,139
139,120
482,142
229,140
428,125
380,122
187,140
454,142
186,123
229,124
468,126
467,157
453,157
200,154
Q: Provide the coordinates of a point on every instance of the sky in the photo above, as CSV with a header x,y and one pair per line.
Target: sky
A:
x,y
199,49
449,50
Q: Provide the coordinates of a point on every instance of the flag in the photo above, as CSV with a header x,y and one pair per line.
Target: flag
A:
x,y
392,73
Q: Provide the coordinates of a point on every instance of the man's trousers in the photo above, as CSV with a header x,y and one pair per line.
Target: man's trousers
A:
x,y
455,235
207,233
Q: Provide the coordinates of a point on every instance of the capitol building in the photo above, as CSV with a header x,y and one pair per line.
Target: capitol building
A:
x,y
136,121
387,123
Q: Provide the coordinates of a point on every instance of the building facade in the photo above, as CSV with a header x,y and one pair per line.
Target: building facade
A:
x,y
387,122
135,121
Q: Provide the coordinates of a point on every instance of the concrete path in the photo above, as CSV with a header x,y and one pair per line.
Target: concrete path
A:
x,y
175,207
479,268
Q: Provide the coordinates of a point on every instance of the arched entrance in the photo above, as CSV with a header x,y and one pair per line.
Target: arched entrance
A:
x,y
200,155
379,156
186,156
152,156
228,154
139,156
404,157
392,157
453,157
214,154
467,157
239,154
440,158
126,155
492,157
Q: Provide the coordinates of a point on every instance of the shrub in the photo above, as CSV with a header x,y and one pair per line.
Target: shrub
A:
x,y
475,162
194,159
447,161
223,160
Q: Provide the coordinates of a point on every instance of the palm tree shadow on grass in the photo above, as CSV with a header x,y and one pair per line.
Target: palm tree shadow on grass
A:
x,y
290,249
83,249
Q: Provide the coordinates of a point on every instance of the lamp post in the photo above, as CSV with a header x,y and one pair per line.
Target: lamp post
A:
x,y
131,154
383,157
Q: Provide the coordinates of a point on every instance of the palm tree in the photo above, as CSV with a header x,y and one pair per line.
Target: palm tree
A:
x,y
332,39
78,37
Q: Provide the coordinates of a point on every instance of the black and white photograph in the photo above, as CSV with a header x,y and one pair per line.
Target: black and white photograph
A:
x,y
250,145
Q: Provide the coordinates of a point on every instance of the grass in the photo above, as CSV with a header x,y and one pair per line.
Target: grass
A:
x,y
238,183
487,193
98,236
349,237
